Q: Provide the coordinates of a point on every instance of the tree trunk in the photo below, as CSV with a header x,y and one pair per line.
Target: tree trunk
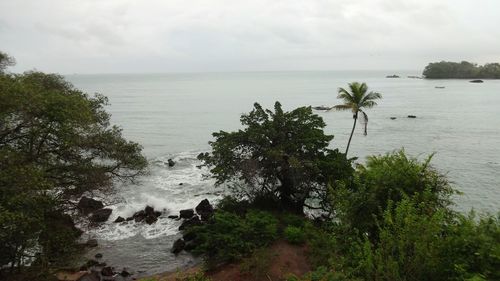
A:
x,y
352,132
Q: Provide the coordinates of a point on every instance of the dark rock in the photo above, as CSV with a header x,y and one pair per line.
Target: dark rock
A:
x,y
171,162
476,81
98,256
189,235
393,118
119,219
181,183
125,273
205,209
101,215
173,217
412,116
186,214
107,271
191,245
190,222
149,211
321,107
392,76
151,219
91,243
88,205
139,219
139,216
130,218
157,213
178,246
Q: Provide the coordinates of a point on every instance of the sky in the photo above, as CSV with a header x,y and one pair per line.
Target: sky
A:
x,y
155,36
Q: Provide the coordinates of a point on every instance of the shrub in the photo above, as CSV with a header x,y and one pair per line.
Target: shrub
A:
x,y
257,265
294,235
230,237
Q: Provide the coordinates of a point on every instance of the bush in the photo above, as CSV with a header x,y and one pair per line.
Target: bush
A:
x,y
257,265
230,237
294,235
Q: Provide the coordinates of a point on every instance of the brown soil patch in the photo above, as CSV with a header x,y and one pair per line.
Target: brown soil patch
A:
x,y
284,259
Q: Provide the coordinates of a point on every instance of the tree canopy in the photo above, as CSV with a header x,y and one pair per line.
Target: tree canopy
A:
x,y
461,70
56,143
279,155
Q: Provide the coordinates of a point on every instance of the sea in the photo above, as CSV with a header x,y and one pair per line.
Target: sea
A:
x,y
174,115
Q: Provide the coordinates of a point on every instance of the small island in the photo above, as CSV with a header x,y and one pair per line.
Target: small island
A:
x,y
461,70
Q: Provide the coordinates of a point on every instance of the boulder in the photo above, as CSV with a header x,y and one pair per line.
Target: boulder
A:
x,y
178,246
139,216
393,118
412,116
101,215
190,222
88,205
149,211
171,162
186,214
476,81
173,217
205,209
120,219
151,219
107,271
125,273
157,213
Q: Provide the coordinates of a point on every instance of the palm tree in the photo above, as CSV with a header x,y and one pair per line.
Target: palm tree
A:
x,y
356,100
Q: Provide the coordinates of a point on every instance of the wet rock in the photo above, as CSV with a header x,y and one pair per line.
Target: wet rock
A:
x,y
181,183
190,222
120,219
178,246
173,217
149,211
125,273
107,271
88,205
98,256
139,216
171,162
129,218
151,219
205,209
101,215
157,213
412,116
393,118
91,263
186,214
476,81
91,243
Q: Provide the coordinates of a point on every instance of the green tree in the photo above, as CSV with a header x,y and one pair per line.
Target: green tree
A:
x,y
356,100
56,143
5,61
281,156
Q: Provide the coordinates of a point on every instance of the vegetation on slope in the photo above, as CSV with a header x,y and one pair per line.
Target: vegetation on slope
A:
x,y
461,70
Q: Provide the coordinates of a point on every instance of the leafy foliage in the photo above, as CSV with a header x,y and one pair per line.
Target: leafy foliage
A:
x,y
294,235
5,61
230,237
385,178
56,143
280,156
461,70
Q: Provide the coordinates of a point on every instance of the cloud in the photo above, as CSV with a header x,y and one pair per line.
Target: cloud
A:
x,y
222,35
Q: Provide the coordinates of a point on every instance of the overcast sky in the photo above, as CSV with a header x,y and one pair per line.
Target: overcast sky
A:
x,y
117,36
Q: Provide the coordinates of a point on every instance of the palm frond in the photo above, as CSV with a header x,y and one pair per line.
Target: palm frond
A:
x,y
364,121
343,107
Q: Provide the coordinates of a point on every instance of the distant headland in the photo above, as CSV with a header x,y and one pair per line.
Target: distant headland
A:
x,y
461,70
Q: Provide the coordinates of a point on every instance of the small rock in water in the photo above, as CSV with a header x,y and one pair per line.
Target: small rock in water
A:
x,y
151,219
181,183
98,256
393,118
173,217
120,219
157,213
205,209
171,162
178,246
412,116
107,271
190,222
101,215
186,214
88,205
125,273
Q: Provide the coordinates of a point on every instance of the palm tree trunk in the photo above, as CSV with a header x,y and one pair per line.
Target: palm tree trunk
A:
x,y
352,132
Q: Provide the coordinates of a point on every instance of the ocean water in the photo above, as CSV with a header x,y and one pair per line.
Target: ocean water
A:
x,y
173,116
